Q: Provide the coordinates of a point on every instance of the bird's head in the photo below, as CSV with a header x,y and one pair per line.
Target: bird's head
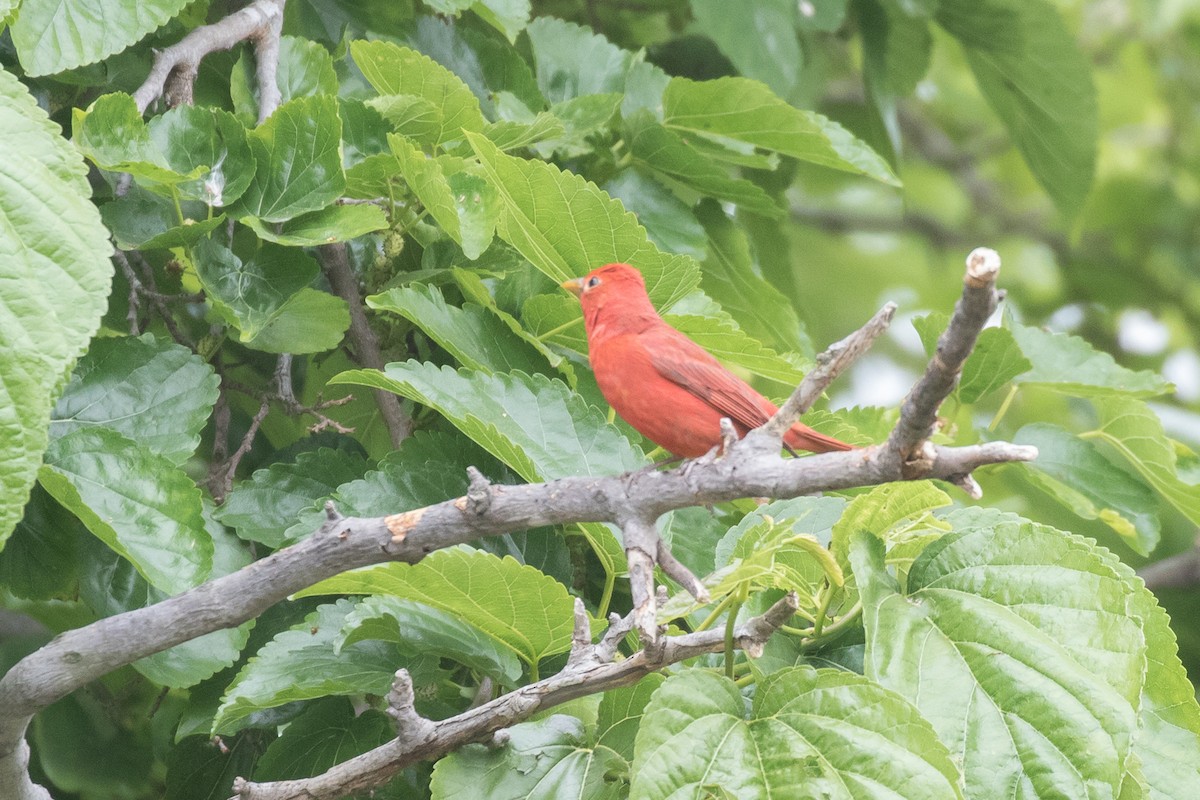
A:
x,y
602,284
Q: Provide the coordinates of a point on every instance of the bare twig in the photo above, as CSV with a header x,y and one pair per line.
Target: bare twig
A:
x,y
589,673
336,262
829,365
175,68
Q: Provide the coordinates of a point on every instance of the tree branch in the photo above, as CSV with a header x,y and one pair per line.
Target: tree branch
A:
x,y
173,75
336,262
1181,571
588,673
751,467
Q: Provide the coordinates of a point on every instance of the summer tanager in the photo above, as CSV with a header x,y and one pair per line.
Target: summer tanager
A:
x,y
660,381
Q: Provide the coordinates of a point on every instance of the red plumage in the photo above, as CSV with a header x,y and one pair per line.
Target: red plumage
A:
x,y
661,382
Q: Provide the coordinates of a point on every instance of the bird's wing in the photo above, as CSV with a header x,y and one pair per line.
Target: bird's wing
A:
x,y
685,363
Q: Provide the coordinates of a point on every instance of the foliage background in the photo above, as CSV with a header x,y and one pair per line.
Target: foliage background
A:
x,y
985,111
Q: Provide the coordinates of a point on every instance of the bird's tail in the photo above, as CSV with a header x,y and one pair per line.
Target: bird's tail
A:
x,y
802,437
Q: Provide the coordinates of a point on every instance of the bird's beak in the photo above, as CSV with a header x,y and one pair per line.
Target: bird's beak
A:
x,y
574,286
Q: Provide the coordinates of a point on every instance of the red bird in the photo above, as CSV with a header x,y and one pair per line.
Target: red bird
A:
x,y
660,381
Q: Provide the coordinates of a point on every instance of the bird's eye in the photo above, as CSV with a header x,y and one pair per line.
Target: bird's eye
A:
x,y
593,282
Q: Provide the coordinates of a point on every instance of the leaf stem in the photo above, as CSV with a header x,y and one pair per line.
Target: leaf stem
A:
x,y
836,629
1008,399
559,329
716,612
730,624
822,609
610,580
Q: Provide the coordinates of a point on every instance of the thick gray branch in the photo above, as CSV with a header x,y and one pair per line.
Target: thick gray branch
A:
x,y
1181,571
583,675
174,70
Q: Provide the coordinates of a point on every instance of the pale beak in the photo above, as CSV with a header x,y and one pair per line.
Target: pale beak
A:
x,y
574,286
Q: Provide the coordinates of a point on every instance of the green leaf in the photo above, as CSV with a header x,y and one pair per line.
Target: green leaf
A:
x,y
110,585
675,162
137,502
549,759
262,508
465,205
142,220
995,361
206,142
56,280
249,295
621,713
760,40
112,133
54,36
310,321
566,226
1133,430
1070,365
396,70
301,664
728,273
882,509
410,115
507,16
535,425
518,606
153,391
329,225
324,735
298,153
571,61
1015,643
1039,83
1074,472
41,560
747,111
419,629
304,68
669,221
477,338
810,733
327,733
508,135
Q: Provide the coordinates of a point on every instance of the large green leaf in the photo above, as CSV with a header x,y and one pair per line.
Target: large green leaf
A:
x,y
52,36
995,361
465,205
1016,643
1033,74
111,585
151,390
675,162
759,308
301,663
621,712
507,16
882,509
747,111
207,142
669,221
1069,364
396,70
142,220
1074,472
262,508
418,628
566,226
57,276
571,61
549,759
324,735
476,337
112,133
809,733
250,294
528,612
535,425
1131,428
760,39
329,225
298,153
41,560
137,502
